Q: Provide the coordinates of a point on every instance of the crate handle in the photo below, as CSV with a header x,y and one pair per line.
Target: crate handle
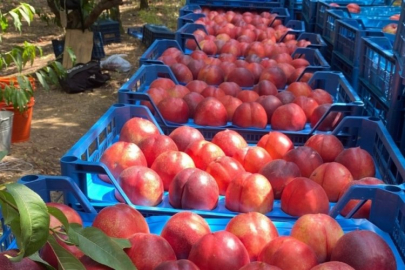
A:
x,y
337,107
55,183
290,32
390,197
84,167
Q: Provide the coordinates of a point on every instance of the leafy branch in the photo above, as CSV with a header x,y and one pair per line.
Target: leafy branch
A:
x,y
19,93
29,219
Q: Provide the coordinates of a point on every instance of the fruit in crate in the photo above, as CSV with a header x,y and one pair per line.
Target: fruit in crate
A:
x,y
254,230
24,264
390,28
328,146
153,146
353,8
184,135
305,158
71,215
218,251
169,163
249,192
319,231
149,250
287,252
177,265
120,221
364,250
229,141
120,156
183,230
364,211
174,109
279,173
303,196
395,17
193,188
142,185
358,161
137,129
333,265
259,266
333,177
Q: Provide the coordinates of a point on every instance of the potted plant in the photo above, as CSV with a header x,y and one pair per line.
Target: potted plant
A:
x,y
17,91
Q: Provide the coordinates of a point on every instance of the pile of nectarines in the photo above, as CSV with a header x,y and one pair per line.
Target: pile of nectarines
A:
x,y
228,104
195,172
246,241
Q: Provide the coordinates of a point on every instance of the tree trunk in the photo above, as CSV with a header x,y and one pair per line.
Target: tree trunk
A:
x,y
144,4
116,16
74,18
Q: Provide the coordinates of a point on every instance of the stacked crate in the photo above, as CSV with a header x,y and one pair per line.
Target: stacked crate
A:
x,y
362,72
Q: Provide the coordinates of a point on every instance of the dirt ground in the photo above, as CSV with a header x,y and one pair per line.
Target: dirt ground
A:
x,y
60,119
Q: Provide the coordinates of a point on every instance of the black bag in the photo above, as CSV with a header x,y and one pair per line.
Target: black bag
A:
x,y
70,4
84,77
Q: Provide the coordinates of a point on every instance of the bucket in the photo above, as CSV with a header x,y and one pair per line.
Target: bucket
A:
x,y
21,122
6,127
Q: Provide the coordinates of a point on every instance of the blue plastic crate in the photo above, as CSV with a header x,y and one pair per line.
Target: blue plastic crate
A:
x,y
373,24
312,53
316,61
134,91
151,32
380,85
386,215
186,32
399,44
281,14
81,162
369,9
238,4
347,44
109,29
324,5
189,8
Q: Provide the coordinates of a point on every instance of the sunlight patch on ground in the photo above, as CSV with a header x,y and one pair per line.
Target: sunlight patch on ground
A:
x,y
53,123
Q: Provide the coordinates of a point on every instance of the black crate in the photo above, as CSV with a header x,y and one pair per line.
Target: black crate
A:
x,y
151,32
96,54
109,29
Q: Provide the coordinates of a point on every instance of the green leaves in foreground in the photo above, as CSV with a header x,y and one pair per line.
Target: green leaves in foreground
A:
x,y
101,248
28,217
31,226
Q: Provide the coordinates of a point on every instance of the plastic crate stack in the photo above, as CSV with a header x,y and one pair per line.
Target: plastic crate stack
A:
x,y
320,16
367,80
386,214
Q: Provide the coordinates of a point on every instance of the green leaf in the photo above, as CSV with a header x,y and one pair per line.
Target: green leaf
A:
x,y
36,258
3,154
72,55
101,248
121,242
34,218
53,76
8,207
3,23
58,214
16,18
25,15
41,79
66,260
29,10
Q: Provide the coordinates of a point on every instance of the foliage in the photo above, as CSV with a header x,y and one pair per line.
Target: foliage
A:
x,y
19,94
29,217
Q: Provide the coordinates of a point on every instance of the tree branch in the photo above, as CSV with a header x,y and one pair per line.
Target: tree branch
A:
x,y
98,9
